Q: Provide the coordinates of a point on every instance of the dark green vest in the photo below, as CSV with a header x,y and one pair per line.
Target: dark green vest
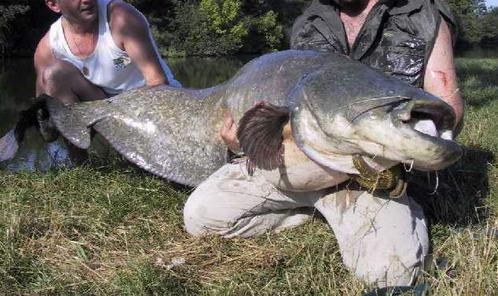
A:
x,y
397,37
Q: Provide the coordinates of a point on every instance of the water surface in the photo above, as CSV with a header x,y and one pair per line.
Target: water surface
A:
x,y
478,52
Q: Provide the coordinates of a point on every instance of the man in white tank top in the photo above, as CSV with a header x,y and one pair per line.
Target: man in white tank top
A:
x,y
97,49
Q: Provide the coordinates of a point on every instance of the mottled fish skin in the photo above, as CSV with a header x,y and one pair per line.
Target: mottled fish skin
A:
x,y
174,133
153,128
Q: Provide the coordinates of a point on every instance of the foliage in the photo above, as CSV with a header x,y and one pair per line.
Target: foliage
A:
x,y
225,24
469,15
214,27
23,23
7,14
217,27
490,26
267,33
201,31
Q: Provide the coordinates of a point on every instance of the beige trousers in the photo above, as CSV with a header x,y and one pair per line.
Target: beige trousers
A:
x,y
382,241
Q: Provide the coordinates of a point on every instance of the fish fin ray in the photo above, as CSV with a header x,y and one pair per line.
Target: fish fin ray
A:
x,y
260,134
27,117
73,121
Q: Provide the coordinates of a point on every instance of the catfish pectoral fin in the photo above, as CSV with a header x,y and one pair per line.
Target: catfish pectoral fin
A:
x,y
260,134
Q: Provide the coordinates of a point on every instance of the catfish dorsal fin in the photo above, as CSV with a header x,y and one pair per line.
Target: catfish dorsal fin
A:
x,y
260,135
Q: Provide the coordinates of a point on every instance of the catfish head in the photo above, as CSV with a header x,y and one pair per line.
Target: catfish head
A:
x,y
346,109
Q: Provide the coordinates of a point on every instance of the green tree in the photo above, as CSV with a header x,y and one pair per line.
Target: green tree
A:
x,y
271,30
225,22
266,33
210,27
8,13
490,26
271,23
468,14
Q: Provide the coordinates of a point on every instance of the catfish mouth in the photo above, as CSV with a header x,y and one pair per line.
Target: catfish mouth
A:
x,y
412,131
417,132
438,112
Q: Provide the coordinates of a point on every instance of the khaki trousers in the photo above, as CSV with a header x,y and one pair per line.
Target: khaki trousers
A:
x,y
382,241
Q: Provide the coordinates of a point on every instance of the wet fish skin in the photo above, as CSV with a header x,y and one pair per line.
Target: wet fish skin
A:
x,y
174,133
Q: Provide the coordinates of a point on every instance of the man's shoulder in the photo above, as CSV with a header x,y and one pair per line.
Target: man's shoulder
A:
x,y
122,15
118,8
414,7
426,11
43,47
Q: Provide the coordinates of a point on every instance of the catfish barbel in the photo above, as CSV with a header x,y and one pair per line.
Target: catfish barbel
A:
x,y
327,106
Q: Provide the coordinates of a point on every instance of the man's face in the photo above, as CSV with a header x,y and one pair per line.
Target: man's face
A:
x,y
82,11
352,5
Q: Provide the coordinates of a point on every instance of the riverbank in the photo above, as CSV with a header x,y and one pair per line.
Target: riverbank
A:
x,y
108,228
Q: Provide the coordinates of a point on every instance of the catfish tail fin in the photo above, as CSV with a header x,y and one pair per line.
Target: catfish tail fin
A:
x,y
28,118
9,143
70,122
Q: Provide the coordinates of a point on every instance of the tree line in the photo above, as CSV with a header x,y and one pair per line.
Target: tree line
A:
x,y
218,27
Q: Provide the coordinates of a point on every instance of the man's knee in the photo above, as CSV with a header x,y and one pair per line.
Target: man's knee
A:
x,y
193,217
397,253
203,214
381,241
215,206
392,269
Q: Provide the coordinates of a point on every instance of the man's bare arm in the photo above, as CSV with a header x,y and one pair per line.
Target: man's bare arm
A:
x,y
440,77
131,32
42,59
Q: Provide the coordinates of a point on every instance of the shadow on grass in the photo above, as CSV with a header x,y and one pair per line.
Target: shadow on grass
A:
x,y
456,195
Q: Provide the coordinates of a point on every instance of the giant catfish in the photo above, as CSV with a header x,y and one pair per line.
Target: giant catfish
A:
x,y
323,108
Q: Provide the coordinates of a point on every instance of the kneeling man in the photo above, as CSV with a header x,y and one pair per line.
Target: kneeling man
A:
x,y
97,49
382,241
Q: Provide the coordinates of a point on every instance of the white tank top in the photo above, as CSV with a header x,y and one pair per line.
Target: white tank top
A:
x,y
108,66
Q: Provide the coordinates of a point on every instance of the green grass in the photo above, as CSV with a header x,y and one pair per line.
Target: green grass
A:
x,y
114,230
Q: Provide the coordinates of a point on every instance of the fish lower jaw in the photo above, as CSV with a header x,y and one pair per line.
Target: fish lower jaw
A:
x,y
421,157
343,163
330,161
417,144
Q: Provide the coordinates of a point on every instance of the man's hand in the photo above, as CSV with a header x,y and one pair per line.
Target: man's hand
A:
x,y
228,132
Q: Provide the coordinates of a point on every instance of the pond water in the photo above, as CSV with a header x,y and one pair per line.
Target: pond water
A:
x,y
17,89
478,52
